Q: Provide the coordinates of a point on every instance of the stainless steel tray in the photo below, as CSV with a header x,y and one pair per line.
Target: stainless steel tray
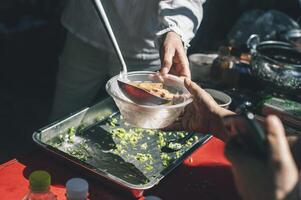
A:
x,y
87,139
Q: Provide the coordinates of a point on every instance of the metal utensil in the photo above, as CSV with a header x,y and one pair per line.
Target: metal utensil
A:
x,y
104,19
177,144
139,95
136,94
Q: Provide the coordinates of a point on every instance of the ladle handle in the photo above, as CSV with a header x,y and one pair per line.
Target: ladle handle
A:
x,y
103,17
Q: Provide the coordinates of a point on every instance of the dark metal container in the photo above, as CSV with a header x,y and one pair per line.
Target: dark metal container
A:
x,y
277,63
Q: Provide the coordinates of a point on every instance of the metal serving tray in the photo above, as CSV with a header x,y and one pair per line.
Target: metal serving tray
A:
x,y
92,140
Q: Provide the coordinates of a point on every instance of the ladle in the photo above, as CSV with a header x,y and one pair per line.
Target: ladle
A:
x,y
134,93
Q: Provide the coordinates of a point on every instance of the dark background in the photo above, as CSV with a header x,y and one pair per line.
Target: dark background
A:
x,y
31,39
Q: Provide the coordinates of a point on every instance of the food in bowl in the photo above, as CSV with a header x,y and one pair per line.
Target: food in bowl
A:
x,y
150,116
156,89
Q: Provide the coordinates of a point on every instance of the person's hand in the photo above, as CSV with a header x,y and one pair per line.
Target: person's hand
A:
x,y
202,115
274,178
173,56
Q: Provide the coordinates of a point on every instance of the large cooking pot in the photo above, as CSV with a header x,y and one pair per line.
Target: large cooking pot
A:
x,y
292,35
277,63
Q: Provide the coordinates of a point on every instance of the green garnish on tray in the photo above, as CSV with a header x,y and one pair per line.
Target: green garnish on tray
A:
x,y
123,145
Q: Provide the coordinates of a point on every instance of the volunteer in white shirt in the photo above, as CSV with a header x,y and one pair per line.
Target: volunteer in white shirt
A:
x,y
142,28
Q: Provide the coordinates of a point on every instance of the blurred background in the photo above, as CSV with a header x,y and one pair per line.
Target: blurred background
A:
x,y
31,39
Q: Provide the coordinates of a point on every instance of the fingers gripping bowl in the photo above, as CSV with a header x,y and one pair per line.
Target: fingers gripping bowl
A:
x,y
154,116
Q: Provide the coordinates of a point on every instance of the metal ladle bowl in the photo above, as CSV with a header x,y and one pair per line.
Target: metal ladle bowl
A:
x,y
140,96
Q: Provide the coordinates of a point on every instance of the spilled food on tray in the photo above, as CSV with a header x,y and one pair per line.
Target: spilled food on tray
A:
x,y
113,146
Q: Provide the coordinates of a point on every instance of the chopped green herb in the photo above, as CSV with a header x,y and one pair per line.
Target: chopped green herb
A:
x,y
150,132
181,134
148,168
144,146
165,159
178,154
174,146
161,140
71,131
81,153
112,122
143,157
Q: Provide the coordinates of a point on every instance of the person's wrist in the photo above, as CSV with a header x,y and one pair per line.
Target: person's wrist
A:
x,y
175,35
216,124
172,33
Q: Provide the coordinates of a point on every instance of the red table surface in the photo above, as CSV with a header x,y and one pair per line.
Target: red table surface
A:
x,y
205,175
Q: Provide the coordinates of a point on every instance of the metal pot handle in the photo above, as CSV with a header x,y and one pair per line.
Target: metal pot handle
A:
x,y
253,41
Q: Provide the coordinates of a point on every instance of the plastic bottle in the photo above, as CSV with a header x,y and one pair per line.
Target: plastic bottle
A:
x,y
77,189
39,185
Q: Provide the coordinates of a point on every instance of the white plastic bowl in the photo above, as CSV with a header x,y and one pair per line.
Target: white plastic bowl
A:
x,y
153,117
222,99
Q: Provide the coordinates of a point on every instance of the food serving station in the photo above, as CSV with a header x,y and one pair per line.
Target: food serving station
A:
x,y
124,162
119,145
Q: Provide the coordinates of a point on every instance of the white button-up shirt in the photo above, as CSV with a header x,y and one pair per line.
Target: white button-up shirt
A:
x,y
136,23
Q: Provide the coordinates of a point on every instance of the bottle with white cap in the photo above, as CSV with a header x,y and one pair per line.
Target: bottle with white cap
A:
x,y
77,189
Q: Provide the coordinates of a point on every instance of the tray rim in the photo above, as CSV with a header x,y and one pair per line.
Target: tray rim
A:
x,y
113,178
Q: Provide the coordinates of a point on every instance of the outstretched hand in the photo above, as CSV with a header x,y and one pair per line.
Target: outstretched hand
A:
x,y
203,114
173,56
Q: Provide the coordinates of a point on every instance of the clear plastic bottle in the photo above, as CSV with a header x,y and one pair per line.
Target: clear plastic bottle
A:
x,y
39,185
77,189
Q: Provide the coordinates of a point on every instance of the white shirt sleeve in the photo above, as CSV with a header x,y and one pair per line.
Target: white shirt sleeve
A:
x,y
181,16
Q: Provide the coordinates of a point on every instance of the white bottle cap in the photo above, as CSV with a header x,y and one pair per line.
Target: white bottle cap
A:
x,y
77,188
151,198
